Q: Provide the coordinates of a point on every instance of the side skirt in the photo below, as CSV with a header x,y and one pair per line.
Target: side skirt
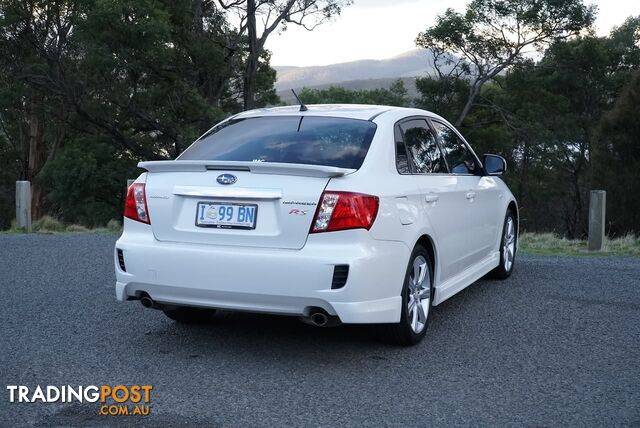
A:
x,y
465,278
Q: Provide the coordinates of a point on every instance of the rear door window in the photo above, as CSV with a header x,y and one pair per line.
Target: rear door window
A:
x,y
402,156
310,140
422,149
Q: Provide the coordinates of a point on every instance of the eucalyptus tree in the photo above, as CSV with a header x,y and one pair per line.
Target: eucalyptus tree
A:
x,y
258,19
492,35
35,46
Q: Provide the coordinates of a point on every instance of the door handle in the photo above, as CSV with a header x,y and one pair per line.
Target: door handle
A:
x,y
431,197
470,195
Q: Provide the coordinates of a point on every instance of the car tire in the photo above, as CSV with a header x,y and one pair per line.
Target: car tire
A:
x,y
417,298
508,245
188,315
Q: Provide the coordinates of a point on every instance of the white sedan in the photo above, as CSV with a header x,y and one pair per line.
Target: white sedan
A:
x,y
335,214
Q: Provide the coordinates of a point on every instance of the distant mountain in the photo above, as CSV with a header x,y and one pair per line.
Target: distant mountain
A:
x,y
414,63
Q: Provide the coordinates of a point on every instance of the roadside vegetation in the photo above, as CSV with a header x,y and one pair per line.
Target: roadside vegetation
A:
x,y
50,225
89,88
552,244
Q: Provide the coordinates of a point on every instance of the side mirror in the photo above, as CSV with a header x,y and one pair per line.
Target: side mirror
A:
x,y
494,165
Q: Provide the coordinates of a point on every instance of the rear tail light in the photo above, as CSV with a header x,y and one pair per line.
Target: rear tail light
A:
x,y
135,207
345,210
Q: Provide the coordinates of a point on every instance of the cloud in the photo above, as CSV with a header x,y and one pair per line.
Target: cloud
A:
x,y
377,29
371,4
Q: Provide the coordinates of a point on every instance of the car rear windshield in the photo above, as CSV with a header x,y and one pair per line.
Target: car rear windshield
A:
x,y
310,140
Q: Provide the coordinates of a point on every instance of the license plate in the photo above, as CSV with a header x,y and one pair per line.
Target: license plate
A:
x,y
223,215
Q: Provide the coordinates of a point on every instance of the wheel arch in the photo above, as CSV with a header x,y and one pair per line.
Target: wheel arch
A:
x,y
428,243
513,206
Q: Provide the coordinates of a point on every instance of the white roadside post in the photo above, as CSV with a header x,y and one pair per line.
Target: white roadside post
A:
x,y
597,207
23,205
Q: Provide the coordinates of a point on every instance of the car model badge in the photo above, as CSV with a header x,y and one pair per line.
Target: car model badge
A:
x,y
226,179
298,212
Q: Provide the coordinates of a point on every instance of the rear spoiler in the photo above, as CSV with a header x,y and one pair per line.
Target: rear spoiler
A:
x,y
254,167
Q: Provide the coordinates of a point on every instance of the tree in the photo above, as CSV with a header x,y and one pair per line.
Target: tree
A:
x,y
273,14
445,95
617,159
34,45
551,110
10,162
145,77
574,84
84,184
542,116
493,35
396,95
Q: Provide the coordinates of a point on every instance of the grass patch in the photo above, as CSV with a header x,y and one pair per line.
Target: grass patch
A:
x,y
551,244
51,225
48,224
114,225
14,228
76,228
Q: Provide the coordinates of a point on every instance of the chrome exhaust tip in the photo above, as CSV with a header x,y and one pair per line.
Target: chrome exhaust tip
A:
x,y
147,302
319,319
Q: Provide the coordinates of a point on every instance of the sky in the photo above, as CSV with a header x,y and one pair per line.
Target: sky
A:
x,y
378,29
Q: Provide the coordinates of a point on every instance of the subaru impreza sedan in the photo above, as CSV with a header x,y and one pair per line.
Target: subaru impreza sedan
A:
x,y
331,213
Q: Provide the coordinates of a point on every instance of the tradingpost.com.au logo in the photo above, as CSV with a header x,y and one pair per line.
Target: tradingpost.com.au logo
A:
x,y
118,400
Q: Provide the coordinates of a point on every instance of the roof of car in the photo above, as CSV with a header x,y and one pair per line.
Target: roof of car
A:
x,y
353,111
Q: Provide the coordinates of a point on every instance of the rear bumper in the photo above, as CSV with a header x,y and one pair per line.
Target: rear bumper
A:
x,y
277,281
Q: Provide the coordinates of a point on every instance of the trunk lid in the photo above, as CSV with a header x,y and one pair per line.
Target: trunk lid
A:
x,y
285,197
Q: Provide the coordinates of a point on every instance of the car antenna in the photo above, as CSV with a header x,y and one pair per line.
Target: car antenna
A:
x,y
302,106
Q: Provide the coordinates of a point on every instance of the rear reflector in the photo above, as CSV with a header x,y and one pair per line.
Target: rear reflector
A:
x,y
121,260
135,207
345,210
340,275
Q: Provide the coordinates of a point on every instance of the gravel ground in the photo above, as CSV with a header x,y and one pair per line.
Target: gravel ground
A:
x,y
555,345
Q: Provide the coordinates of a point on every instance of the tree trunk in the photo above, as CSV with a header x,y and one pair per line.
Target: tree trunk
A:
x,y
473,94
251,70
523,183
36,157
197,24
37,201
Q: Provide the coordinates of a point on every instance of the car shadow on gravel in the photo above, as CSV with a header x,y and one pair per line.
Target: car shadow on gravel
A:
x,y
287,336
239,328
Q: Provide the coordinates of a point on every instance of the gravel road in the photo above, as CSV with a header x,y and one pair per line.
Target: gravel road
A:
x,y
558,344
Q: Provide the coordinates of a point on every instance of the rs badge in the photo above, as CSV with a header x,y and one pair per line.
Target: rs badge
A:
x,y
298,212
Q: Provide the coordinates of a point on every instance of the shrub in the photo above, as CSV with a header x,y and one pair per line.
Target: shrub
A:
x,y
86,183
77,228
48,224
114,225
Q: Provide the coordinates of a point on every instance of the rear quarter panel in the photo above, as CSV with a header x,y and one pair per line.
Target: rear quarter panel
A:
x,y
401,216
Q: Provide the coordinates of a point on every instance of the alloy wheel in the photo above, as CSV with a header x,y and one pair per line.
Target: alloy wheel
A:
x,y
419,295
509,244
